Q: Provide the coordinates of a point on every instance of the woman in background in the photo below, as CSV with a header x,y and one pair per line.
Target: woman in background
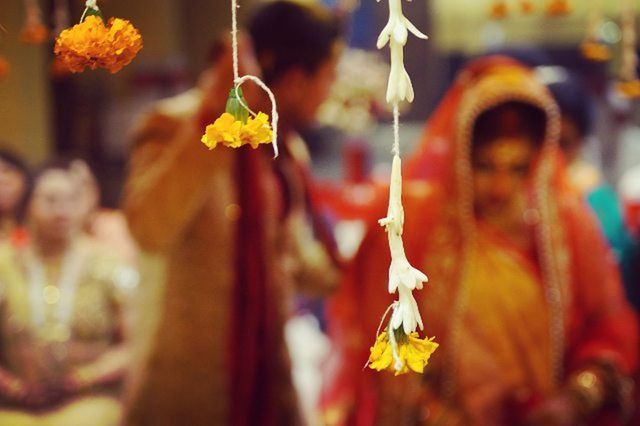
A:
x,y
14,185
524,296
63,341
577,110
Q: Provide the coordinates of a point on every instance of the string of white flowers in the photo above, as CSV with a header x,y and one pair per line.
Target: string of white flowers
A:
x,y
403,278
238,80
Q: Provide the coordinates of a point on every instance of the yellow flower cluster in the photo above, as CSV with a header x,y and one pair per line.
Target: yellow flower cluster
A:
x,y
558,8
228,131
4,67
594,51
629,89
412,351
93,44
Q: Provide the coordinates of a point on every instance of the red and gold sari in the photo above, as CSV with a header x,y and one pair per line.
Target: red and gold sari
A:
x,y
509,323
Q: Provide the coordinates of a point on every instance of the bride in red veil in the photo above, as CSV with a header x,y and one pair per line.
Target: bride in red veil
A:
x,y
524,296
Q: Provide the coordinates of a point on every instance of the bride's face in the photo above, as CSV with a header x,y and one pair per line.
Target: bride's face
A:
x,y
500,170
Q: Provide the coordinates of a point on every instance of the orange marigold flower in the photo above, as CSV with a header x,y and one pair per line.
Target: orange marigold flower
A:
x,y
36,33
629,89
58,69
558,8
595,51
4,67
92,44
230,132
526,6
499,10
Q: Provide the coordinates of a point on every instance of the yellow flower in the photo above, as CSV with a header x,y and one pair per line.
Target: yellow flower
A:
x,y
594,51
228,131
558,8
92,44
629,89
256,131
413,353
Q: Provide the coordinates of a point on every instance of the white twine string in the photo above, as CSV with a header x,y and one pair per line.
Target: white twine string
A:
x,y
237,80
384,316
90,4
274,110
234,38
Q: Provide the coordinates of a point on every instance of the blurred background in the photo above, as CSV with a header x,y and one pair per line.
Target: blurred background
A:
x,y
46,112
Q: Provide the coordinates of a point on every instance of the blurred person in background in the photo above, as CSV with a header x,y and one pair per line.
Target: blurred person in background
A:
x,y
107,226
577,110
63,339
14,188
524,295
236,232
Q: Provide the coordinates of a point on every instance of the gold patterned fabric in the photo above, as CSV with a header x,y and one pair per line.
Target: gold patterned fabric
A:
x,y
53,349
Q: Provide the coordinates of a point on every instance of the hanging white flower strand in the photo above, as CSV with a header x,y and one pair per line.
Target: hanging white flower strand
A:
x,y
399,347
239,125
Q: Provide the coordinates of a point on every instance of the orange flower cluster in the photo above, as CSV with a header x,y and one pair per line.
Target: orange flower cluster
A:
x,y
526,6
595,51
629,89
499,10
4,67
558,8
94,45
36,33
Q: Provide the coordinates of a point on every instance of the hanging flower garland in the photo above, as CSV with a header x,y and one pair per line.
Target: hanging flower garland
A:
x,y
92,44
558,8
526,7
629,84
399,348
34,30
498,9
239,125
593,48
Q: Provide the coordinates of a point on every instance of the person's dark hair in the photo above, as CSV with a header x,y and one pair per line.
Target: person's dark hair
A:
x,y
508,120
286,35
574,102
18,164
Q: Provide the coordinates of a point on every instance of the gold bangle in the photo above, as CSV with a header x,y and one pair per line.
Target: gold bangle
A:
x,y
589,391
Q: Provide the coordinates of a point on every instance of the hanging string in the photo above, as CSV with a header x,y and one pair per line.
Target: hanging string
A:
x,y
274,109
237,80
393,306
234,38
90,4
